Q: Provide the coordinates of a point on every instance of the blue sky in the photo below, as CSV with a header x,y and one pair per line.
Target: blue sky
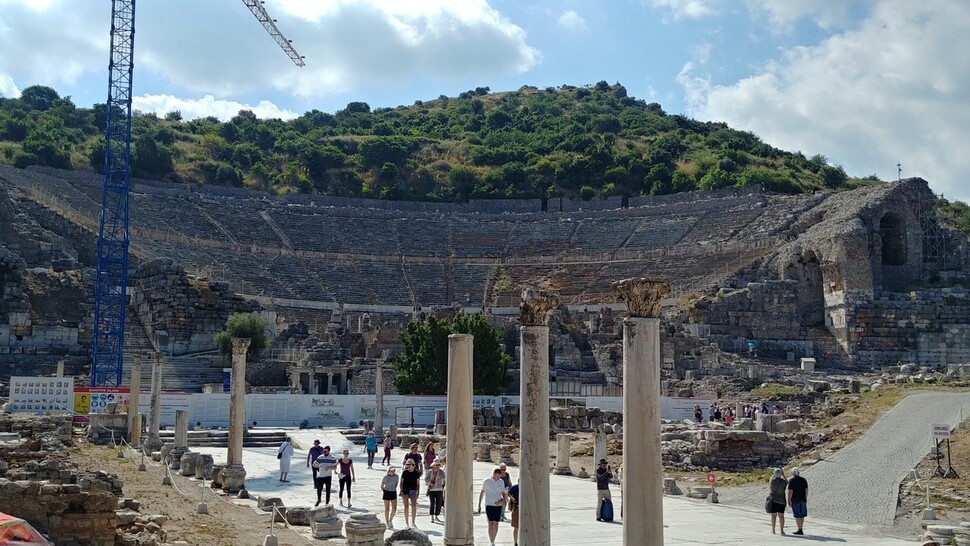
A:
x,y
865,83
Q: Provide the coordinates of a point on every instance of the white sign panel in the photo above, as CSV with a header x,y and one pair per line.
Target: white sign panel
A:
x,y
941,432
41,394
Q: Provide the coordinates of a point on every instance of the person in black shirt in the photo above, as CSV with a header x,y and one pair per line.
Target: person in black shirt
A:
x,y
603,476
514,508
798,498
410,488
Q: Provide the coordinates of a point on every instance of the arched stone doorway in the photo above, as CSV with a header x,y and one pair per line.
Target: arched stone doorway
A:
x,y
892,232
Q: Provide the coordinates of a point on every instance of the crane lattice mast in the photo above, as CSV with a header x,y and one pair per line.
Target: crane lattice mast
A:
x,y
110,296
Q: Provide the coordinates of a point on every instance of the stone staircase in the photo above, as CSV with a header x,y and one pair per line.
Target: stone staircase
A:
x,y
220,438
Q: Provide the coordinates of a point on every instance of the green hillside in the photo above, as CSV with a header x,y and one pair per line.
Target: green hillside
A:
x,y
585,142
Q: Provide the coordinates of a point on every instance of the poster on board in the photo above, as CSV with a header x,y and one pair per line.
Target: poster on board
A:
x,y
41,394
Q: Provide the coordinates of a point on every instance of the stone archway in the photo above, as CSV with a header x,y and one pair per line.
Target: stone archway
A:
x,y
892,232
811,296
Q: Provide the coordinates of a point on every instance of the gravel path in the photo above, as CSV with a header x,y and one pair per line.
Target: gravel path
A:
x,y
860,483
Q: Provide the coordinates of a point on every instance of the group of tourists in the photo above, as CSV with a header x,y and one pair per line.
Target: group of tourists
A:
x,y
717,413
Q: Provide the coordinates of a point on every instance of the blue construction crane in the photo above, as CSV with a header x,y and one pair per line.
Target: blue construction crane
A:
x,y
110,296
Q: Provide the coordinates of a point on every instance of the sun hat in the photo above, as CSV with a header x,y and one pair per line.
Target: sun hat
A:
x,y
796,471
436,462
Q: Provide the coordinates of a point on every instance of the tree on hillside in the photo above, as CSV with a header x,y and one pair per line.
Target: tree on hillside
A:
x,y
243,325
423,366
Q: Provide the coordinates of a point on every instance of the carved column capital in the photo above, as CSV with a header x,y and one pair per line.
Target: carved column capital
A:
x,y
536,307
642,296
240,345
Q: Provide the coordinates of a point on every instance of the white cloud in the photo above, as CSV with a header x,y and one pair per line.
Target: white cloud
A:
x,y
207,106
219,47
824,13
571,20
891,90
8,88
688,9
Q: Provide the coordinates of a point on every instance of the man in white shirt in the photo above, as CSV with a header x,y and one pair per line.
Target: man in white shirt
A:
x,y
493,490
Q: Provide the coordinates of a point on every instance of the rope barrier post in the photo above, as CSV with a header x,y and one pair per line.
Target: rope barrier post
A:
x,y
167,480
271,539
142,467
202,508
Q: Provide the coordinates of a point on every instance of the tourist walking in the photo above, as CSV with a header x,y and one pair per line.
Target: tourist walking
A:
x,y
370,446
324,464
603,476
776,501
410,489
388,446
514,509
389,493
284,454
798,498
434,480
698,414
508,484
311,456
429,455
493,490
413,455
345,475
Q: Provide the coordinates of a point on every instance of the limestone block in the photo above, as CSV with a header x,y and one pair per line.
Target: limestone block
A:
x,y
716,435
698,491
266,503
299,515
188,463
364,530
203,466
788,426
670,487
766,422
410,537
749,435
233,478
324,522
216,475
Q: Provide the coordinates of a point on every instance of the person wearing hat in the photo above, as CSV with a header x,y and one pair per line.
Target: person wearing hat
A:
x,y
798,498
776,499
434,479
603,476
370,446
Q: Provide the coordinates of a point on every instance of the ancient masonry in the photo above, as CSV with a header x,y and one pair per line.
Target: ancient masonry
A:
x,y
857,279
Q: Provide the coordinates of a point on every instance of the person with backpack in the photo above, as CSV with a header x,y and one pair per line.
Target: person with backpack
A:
x,y
603,498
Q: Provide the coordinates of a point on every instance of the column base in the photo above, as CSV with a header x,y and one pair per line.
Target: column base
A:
x,y
233,478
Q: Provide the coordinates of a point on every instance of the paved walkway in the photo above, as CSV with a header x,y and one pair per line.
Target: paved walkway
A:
x,y
687,521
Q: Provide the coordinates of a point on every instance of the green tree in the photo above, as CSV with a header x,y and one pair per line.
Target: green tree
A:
x,y
243,325
423,366
39,97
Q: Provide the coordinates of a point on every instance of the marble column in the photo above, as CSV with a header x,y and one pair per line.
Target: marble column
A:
x,y
599,445
459,528
642,465
135,436
181,438
155,414
563,448
535,310
60,368
134,397
379,407
237,400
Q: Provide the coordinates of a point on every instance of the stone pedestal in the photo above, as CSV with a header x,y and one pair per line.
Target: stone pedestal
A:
x,y
233,478
181,440
324,522
459,529
562,455
364,530
642,465
670,487
154,442
483,452
505,454
187,466
203,466
216,475
299,515
133,401
237,401
536,307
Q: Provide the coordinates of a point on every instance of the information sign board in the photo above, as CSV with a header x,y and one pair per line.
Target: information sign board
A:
x,y
41,394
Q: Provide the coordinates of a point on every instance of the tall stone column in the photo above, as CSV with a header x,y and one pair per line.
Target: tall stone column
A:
x,y
642,465
134,397
599,445
234,474
534,314
181,438
379,394
459,529
155,413
237,400
135,437
562,454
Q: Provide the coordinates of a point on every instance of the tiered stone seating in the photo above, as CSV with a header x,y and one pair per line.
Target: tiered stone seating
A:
x,y
387,281
655,234
600,235
470,280
242,219
722,226
480,239
430,283
539,238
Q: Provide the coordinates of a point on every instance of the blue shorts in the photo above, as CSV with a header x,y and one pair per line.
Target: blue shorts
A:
x,y
799,509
